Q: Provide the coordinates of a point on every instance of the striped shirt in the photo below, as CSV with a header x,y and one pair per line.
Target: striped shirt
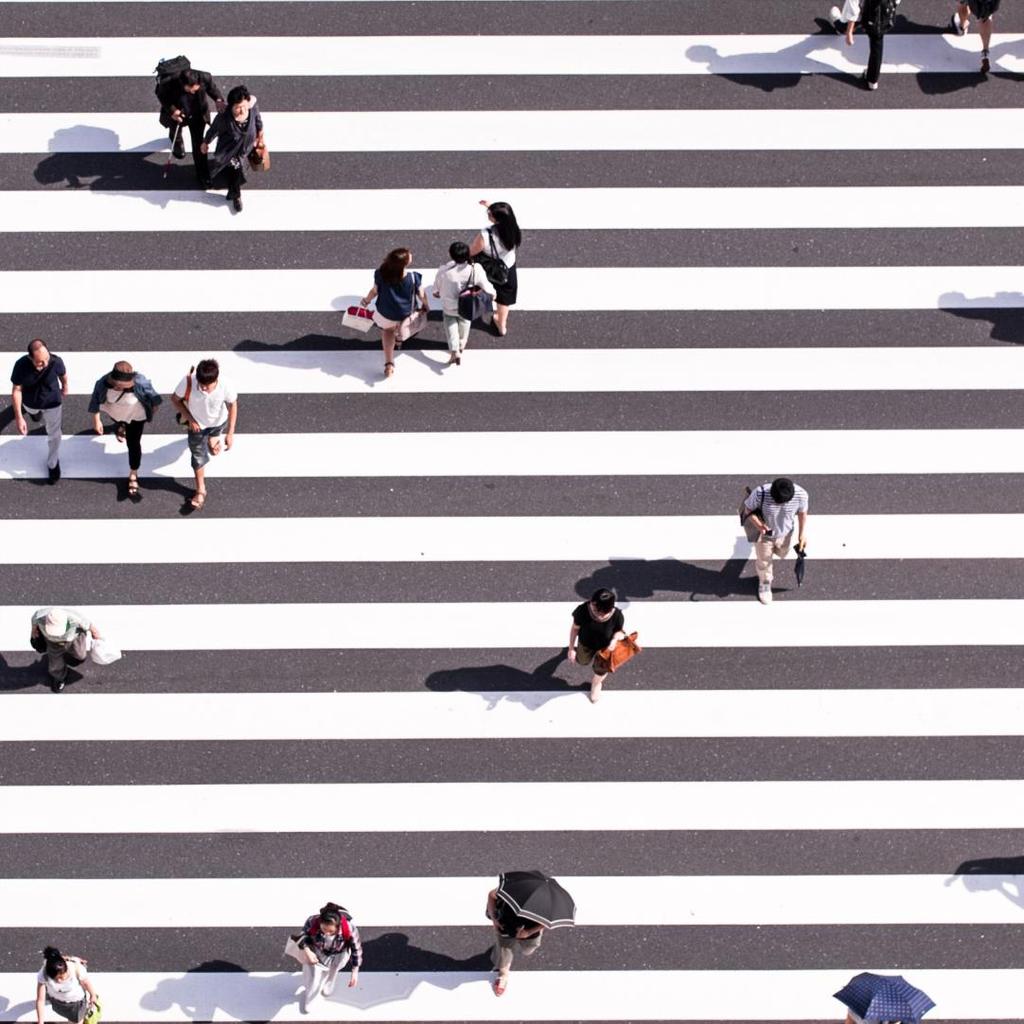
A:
x,y
778,518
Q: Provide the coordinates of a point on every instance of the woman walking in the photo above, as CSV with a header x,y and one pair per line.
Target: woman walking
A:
x,y
238,131
451,280
64,983
597,625
329,940
512,933
129,400
397,290
500,242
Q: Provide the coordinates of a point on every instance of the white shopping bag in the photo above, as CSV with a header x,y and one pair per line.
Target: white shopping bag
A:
x,y
358,318
103,652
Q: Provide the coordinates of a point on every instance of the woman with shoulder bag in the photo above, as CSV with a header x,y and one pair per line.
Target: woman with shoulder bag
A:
x,y
397,291
597,625
238,131
499,244
129,399
456,280
64,983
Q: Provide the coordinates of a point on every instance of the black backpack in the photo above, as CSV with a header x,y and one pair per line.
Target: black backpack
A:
x,y
881,16
169,68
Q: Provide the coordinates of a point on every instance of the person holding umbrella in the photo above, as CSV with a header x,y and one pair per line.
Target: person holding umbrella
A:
x,y
523,906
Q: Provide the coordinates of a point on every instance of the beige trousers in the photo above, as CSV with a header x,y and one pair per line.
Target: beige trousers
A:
x,y
504,947
765,550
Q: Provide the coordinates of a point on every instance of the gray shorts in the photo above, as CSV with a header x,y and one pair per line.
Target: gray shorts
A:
x,y
199,444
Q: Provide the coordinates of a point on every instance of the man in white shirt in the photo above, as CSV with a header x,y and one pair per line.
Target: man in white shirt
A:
x,y
775,509
208,405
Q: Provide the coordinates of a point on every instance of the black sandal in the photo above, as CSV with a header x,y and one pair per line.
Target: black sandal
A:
x,y
122,429
133,489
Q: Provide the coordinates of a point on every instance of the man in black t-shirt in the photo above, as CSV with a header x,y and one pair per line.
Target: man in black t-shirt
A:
x,y
40,383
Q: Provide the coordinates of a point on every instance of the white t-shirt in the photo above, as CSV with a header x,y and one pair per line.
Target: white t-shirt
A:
x,y
70,989
208,408
507,256
123,406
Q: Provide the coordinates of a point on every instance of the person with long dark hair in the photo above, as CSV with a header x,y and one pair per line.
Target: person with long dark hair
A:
x,y
501,242
129,399
329,941
397,291
238,131
64,983
597,625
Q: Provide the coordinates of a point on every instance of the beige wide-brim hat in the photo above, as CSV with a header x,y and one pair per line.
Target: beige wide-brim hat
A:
x,y
55,625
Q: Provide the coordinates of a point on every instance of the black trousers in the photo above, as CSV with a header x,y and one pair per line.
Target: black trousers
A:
x,y
233,177
196,128
876,40
133,438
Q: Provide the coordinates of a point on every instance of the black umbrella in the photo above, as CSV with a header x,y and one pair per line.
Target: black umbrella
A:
x,y
535,896
801,564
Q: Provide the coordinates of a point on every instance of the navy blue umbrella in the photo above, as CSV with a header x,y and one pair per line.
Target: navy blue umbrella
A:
x,y
884,997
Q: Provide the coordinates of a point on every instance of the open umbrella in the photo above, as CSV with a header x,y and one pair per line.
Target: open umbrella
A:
x,y
884,997
801,565
537,897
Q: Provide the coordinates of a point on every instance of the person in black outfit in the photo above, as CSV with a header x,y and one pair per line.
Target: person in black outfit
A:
x,y
238,131
596,625
184,104
876,18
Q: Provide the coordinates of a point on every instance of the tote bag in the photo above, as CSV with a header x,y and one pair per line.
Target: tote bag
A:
x,y
359,318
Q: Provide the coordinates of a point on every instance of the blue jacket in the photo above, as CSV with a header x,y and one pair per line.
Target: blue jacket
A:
x,y
144,392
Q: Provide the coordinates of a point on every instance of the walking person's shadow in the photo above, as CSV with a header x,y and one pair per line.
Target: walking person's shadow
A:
x,y
1003,310
218,988
993,874
505,683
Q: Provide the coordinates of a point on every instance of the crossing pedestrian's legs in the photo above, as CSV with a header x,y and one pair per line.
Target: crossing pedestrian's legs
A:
x,y
876,41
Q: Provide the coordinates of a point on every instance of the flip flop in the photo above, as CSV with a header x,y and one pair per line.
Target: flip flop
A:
x,y
500,984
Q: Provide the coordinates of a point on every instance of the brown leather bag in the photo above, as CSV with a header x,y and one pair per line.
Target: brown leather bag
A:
x,y
259,158
625,650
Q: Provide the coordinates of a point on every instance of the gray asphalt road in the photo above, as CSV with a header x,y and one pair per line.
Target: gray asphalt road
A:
x,y
496,673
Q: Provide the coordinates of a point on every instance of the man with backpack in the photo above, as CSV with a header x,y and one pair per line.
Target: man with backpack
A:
x,y
876,18
328,941
184,93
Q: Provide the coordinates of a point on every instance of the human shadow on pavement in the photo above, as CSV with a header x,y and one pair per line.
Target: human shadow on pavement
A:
x,y
1004,310
993,874
219,988
498,683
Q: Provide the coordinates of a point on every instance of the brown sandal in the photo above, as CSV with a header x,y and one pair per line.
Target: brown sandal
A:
x,y
198,500
389,369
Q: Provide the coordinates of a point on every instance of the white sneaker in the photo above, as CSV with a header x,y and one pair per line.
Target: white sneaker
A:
x,y
764,593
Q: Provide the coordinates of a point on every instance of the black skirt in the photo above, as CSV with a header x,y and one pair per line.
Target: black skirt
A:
x,y
509,291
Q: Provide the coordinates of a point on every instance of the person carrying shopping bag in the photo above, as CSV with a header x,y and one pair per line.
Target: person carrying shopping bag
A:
x,y
397,291
129,400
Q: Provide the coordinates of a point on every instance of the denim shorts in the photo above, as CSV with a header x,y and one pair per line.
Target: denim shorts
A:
x,y
199,445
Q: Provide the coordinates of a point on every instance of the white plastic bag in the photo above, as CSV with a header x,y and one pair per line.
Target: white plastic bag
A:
x,y
103,652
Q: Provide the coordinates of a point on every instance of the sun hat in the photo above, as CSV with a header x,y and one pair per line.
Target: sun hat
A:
x,y
55,625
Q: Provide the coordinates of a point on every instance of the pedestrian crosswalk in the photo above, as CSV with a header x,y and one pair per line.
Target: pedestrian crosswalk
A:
x,y
343,680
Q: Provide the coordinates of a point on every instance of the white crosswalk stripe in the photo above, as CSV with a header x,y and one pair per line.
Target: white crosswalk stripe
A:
x,y
316,699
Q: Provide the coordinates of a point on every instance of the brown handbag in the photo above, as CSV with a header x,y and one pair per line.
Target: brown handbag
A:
x,y
625,650
259,158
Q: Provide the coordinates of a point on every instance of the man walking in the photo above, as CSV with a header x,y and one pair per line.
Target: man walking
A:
x,y
184,104
774,510
208,406
40,385
60,633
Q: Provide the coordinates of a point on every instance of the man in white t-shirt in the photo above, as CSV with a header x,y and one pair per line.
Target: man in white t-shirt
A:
x,y
209,406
